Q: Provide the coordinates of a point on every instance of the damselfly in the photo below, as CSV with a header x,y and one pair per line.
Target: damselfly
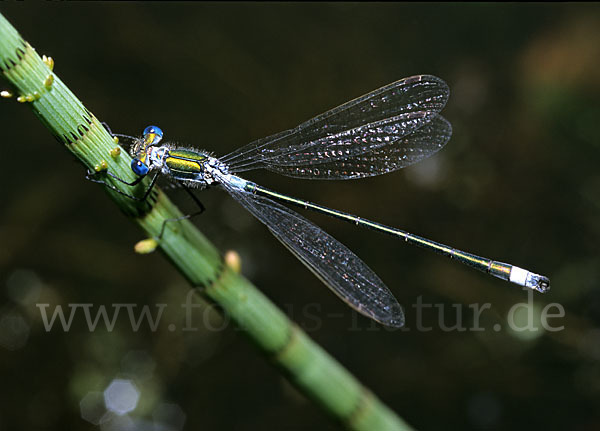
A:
x,y
380,132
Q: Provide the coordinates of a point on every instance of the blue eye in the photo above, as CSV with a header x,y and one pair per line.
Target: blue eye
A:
x,y
154,134
138,167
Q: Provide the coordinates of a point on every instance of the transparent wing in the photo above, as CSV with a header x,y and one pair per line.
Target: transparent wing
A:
x,y
395,154
340,269
356,127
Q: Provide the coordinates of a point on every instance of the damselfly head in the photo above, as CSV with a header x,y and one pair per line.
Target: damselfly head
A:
x,y
152,135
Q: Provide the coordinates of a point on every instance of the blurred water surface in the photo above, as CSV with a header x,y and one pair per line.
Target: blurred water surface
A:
x,y
518,182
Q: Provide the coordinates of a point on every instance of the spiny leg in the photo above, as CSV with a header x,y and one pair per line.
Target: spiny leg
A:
x,y
184,217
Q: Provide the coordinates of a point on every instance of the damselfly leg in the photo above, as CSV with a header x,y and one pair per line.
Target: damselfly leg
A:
x,y
186,216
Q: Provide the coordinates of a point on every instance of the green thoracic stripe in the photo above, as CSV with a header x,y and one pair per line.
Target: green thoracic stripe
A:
x,y
185,161
188,155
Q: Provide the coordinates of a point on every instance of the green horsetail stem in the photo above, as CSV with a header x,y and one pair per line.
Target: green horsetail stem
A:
x,y
319,376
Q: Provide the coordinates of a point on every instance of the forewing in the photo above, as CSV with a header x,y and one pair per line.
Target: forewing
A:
x,y
353,128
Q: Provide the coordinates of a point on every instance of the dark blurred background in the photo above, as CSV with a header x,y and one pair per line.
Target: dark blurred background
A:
x,y
518,182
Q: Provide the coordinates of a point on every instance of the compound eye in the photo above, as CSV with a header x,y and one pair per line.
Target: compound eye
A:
x,y
153,135
139,167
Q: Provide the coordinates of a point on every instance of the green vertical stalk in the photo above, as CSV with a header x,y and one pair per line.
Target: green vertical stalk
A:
x,y
308,366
